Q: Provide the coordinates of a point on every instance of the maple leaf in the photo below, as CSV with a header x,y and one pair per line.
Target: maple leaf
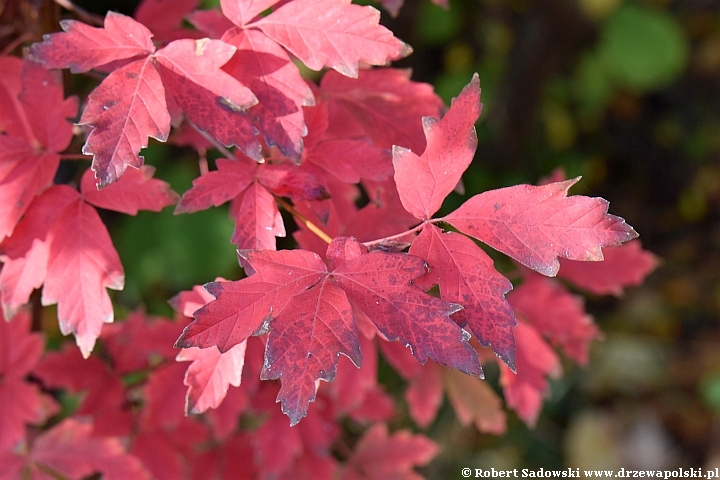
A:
x,y
423,182
137,191
103,391
81,47
210,375
525,389
123,111
70,450
466,275
341,37
474,401
251,187
382,104
267,70
555,313
621,267
424,393
82,263
20,351
36,129
131,104
291,289
165,17
62,243
537,224
379,455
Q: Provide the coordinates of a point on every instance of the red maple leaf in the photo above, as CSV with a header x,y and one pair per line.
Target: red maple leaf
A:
x,y
70,450
62,243
379,455
130,105
555,313
210,374
36,128
466,275
622,266
103,392
307,310
525,389
22,402
251,187
531,224
423,182
340,38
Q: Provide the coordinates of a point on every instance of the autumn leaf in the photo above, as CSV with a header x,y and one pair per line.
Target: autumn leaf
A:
x,y
293,289
424,181
379,455
556,313
70,449
623,266
466,276
23,402
81,47
342,36
210,374
536,225
524,391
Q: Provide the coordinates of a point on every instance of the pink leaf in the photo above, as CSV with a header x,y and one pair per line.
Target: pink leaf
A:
x,y
241,12
267,70
536,225
210,374
423,182
218,186
135,191
466,275
83,263
305,341
380,284
211,98
123,111
382,103
378,455
82,47
340,37
623,266
25,254
241,308
525,390
257,220
556,314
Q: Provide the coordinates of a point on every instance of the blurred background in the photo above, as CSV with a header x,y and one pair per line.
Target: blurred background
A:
x,y
625,93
